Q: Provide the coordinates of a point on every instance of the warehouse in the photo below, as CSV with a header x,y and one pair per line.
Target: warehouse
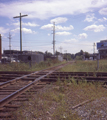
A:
x,y
24,56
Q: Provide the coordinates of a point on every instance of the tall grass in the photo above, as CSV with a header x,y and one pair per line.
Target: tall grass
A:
x,y
86,66
26,66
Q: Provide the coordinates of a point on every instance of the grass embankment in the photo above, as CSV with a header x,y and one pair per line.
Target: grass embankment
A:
x,y
26,66
86,66
55,102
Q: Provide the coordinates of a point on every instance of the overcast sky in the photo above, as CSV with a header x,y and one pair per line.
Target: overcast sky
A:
x,y
78,24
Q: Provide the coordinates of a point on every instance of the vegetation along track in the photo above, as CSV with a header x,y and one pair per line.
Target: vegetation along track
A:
x,y
15,88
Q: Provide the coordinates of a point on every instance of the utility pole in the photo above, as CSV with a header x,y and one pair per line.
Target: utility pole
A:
x,y
60,49
94,48
66,55
20,29
54,38
9,41
10,45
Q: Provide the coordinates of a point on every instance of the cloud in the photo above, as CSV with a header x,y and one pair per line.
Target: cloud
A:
x,y
63,33
95,28
71,40
102,19
103,11
73,45
48,26
26,24
44,9
59,20
25,30
3,30
83,36
57,27
89,17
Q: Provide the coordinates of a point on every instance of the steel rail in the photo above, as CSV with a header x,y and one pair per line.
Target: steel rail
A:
x,y
24,76
18,78
20,91
25,88
83,73
76,78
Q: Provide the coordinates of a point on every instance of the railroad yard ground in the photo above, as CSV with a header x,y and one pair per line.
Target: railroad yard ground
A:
x,y
68,100
58,102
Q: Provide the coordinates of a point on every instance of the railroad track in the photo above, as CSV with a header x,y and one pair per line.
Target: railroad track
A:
x,y
13,88
16,87
78,76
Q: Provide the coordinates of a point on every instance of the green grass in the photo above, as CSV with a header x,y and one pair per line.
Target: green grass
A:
x,y
26,66
86,66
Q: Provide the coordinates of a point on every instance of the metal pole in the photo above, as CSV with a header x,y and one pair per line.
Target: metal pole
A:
x,y
54,38
97,64
94,48
97,61
10,45
9,41
20,33
60,50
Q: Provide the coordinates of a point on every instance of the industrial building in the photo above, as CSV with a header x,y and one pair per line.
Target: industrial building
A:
x,y
24,56
102,48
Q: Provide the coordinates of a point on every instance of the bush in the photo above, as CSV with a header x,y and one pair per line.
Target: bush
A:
x,y
79,58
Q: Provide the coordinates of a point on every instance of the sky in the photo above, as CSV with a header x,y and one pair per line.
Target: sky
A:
x,y
78,24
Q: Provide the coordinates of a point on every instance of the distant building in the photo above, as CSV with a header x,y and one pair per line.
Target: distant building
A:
x,y
60,57
24,56
102,48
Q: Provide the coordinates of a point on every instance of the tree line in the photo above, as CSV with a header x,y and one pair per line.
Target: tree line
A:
x,y
68,56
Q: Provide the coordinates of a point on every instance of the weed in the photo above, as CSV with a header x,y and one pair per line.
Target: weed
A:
x,y
58,81
74,81
86,66
61,89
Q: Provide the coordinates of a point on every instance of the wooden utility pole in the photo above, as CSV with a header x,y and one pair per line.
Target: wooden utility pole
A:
x,y
20,29
54,38
0,47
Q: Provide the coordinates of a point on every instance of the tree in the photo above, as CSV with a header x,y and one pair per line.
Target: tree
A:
x,y
57,53
87,55
78,58
81,52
